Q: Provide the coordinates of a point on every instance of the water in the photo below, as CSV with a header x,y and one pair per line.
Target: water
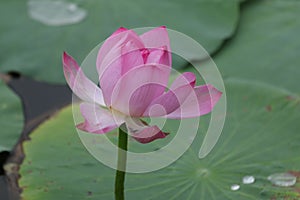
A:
x,y
283,179
235,187
55,12
3,188
248,179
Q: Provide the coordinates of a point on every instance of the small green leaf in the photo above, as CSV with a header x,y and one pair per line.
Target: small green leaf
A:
x,y
11,118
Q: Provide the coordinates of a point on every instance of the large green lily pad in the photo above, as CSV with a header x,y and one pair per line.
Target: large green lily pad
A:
x,y
11,118
266,45
260,138
35,49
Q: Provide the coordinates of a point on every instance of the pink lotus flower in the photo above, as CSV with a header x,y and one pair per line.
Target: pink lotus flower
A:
x,y
133,76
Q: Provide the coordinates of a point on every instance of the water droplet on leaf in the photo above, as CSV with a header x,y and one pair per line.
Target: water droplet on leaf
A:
x,y
55,12
283,179
248,179
235,187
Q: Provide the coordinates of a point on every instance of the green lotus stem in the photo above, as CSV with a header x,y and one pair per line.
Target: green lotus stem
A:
x,y
121,170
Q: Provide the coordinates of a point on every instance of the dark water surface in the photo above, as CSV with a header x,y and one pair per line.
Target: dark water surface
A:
x,y
39,100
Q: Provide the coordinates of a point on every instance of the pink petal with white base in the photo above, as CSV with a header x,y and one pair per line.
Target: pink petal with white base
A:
x,y
157,37
128,60
84,88
138,87
160,56
142,132
184,79
112,48
205,97
96,119
171,100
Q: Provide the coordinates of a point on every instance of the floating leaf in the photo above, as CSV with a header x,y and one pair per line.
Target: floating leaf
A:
x,y
11,118
260,138
266,45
